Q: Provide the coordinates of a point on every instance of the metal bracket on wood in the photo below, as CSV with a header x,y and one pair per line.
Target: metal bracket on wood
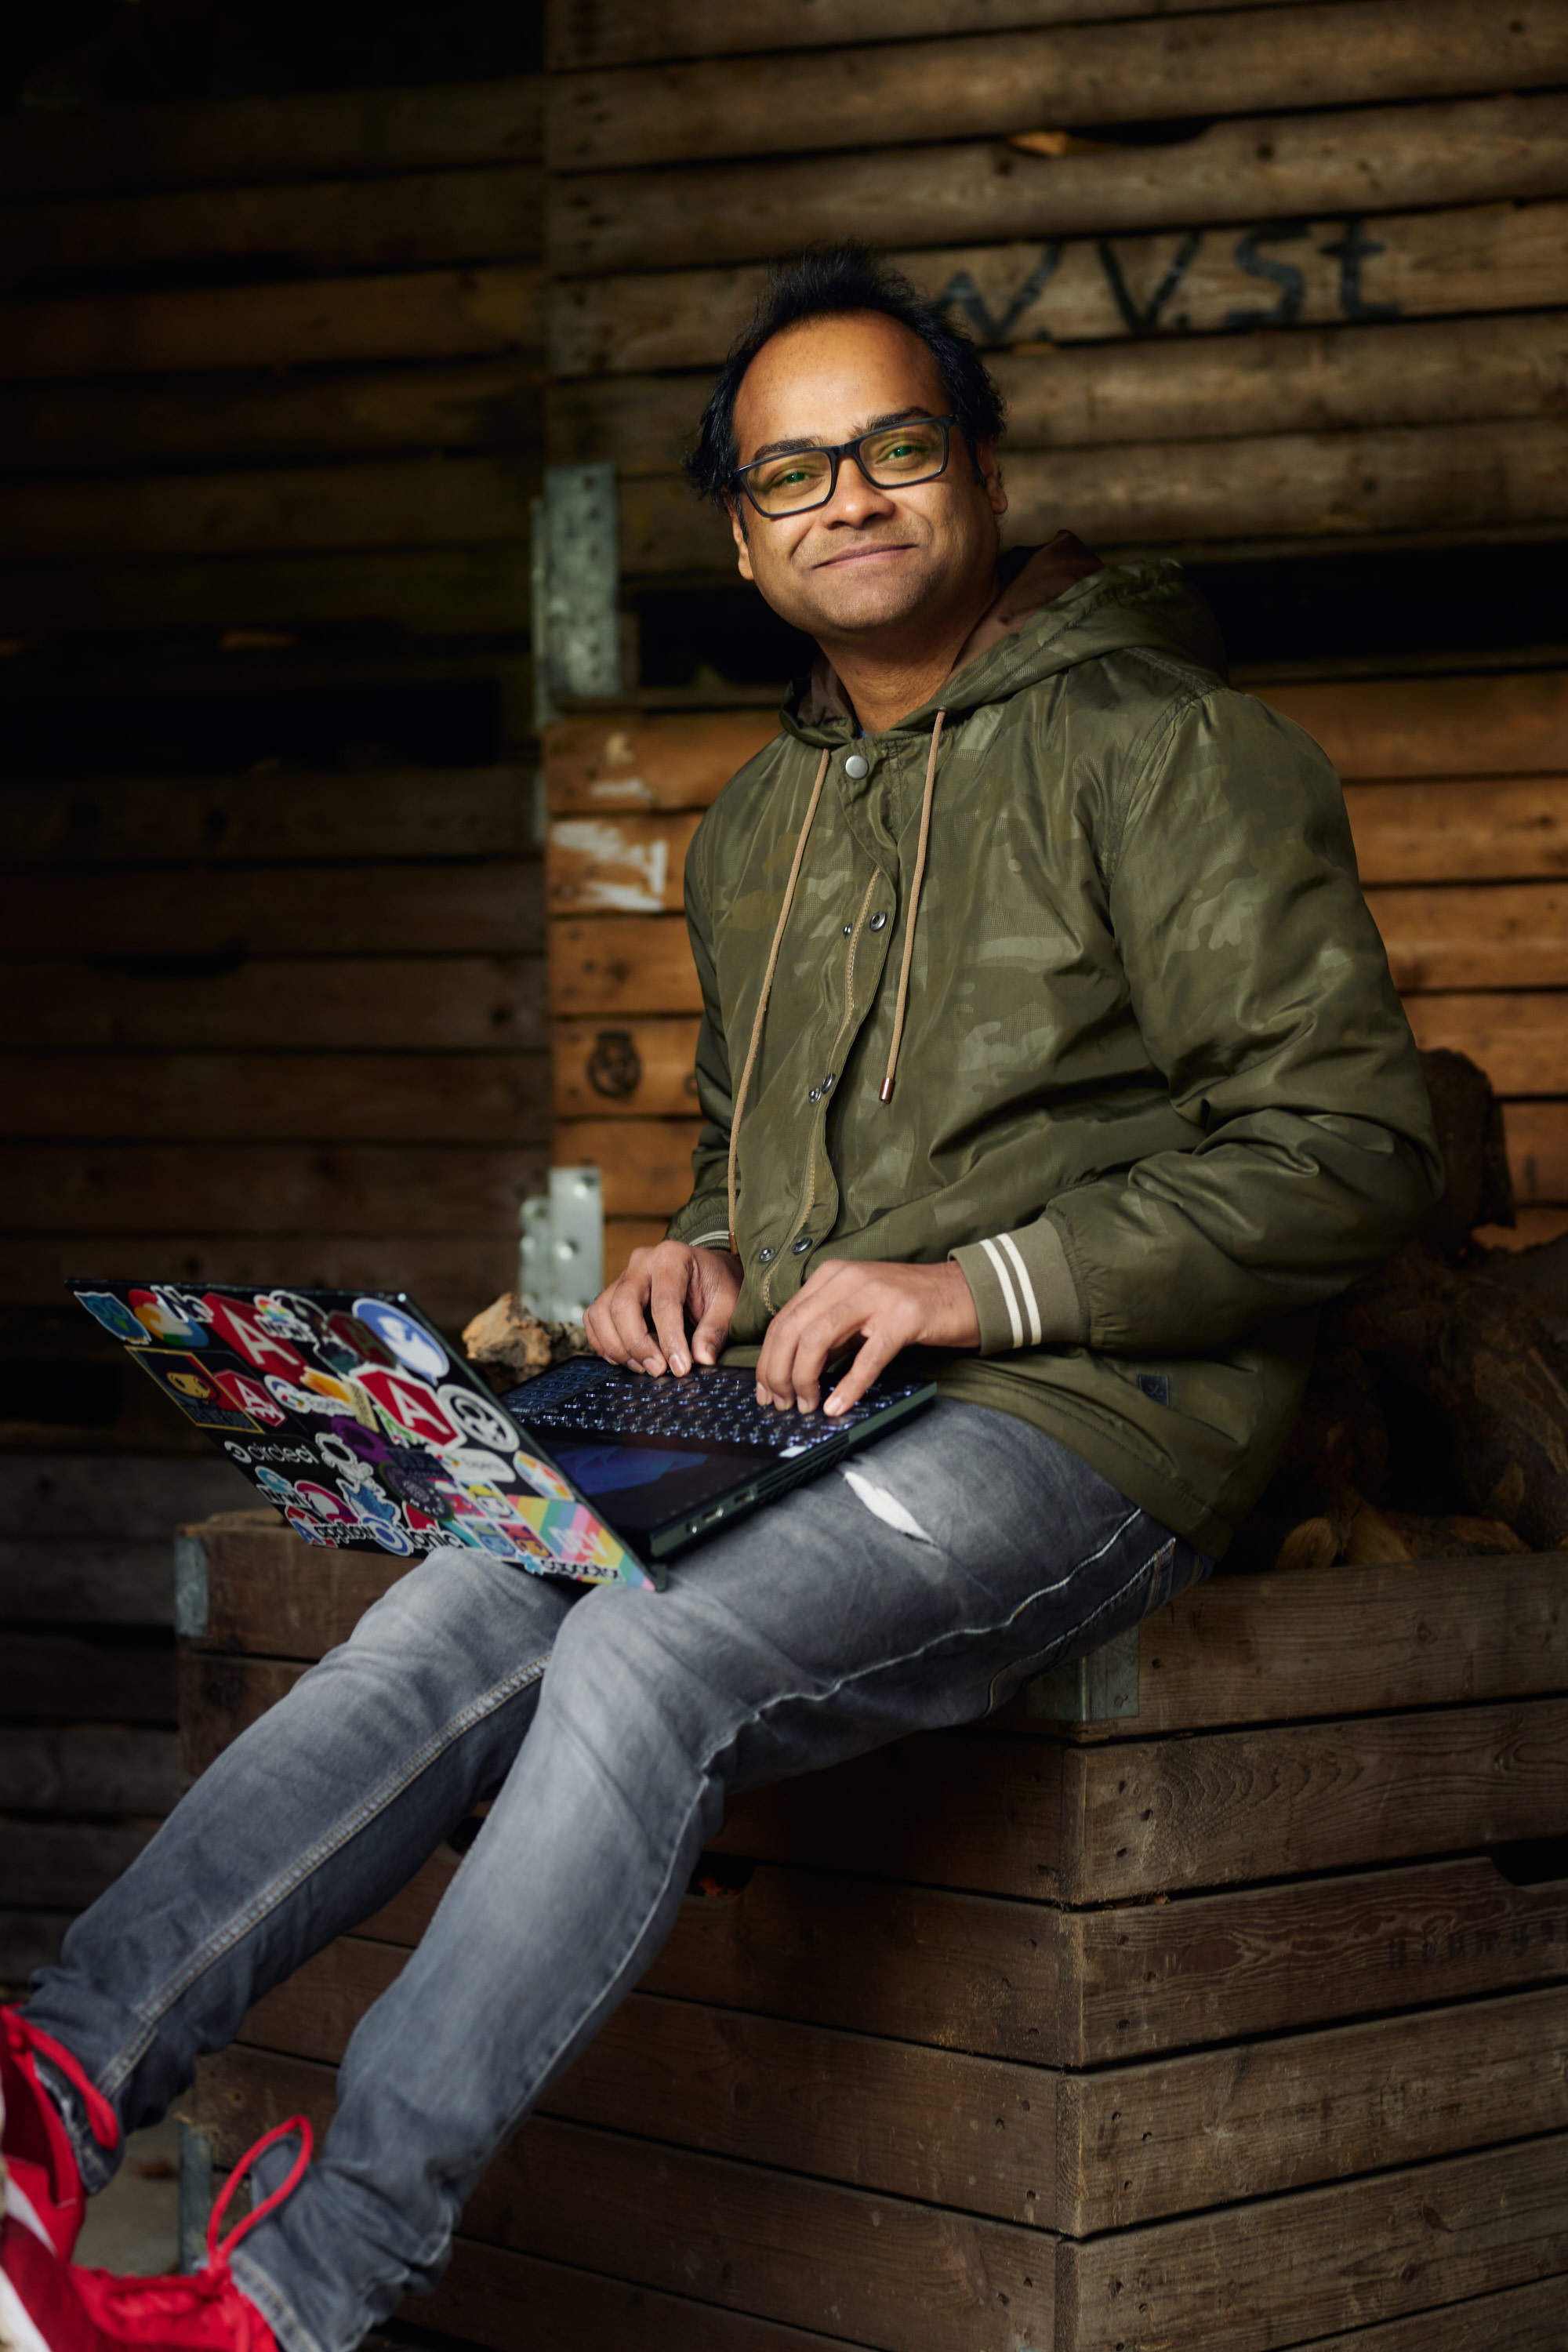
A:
x,y
190,1588
196,2194
576,622
1100,1687
562,1264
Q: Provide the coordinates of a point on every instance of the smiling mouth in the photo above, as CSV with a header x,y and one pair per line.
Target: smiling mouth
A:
x,y
860,554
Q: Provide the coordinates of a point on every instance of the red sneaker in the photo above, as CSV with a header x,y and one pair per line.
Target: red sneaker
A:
x,y
49,2306
44,2188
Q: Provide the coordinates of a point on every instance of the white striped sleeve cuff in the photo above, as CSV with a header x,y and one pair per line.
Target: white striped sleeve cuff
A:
x,y
1023,1291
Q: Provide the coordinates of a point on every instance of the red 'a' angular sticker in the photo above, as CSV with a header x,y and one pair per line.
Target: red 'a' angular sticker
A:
x,y
247,1335
410,1406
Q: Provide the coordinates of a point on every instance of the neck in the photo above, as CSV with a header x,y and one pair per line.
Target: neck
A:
x,y
884,681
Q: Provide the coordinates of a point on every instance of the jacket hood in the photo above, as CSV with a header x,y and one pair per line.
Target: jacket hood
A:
x,y
1058,605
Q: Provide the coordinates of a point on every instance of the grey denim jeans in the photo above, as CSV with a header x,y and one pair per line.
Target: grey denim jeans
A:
x,y
918,1588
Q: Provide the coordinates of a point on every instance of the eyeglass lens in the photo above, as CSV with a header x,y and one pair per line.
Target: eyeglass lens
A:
x,y
895,453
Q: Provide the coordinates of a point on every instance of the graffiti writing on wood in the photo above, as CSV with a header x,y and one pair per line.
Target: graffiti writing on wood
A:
x,y
1089,289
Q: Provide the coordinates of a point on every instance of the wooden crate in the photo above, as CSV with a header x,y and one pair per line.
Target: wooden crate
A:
x,y
1214,1994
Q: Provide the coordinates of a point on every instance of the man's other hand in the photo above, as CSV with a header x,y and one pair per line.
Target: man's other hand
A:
x,y
665,1286
886,1307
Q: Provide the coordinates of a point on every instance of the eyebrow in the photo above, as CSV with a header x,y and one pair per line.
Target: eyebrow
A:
x,y
873,424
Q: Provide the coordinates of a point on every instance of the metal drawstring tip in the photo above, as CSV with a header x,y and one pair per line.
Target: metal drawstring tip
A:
x,y
887,1093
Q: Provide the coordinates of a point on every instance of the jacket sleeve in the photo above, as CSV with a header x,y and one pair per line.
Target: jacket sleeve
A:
x,y
705,1219
1260,986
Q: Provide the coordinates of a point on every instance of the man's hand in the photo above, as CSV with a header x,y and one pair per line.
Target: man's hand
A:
x,y
669,1282
886,1307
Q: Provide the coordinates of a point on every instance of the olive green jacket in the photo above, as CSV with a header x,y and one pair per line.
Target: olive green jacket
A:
x,y
1155,1092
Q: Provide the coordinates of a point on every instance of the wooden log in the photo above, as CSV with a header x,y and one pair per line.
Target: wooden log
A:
x,y
1521,1041
616,865
106,1580
417,502
86,1189
1097,289
1483,830
85,428
1336,52
1419,727
884,2270
90,1768
1532,1229
1264,486
105,1494
628,32
624,964
450,1276
430,814
1284,167
422,314
297,135
481,908
405,220
435,591
1490,935
1313,380
276,1098
644,1166
65,1865
55,1677
259,1588
1538,1151
429,1003
642,1070
596,767
877,2114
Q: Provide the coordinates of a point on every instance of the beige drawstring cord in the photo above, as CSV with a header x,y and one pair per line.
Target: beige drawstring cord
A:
x,y
902,998
767,987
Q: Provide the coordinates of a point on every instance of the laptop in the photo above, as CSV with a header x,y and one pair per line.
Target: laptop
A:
x,y
349,1413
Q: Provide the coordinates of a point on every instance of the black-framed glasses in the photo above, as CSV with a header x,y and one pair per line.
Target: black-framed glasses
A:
x,y
890,457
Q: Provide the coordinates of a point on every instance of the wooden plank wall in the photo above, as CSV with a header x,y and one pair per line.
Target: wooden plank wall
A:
x,y
269,424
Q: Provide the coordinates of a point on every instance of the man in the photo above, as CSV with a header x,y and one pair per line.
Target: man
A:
x,y
1045,1030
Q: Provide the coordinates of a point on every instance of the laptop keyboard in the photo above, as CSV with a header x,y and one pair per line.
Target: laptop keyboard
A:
x,y
707,1408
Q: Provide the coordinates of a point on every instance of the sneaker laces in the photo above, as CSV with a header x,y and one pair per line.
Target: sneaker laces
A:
x,y
22,2037
137,2301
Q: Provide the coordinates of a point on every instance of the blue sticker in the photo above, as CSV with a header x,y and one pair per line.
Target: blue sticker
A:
x,y
409,1342
115,1317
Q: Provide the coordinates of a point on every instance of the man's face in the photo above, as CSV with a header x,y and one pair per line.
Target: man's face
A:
x,y
870,560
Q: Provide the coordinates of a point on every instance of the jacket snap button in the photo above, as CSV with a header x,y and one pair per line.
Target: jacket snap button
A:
x,y
856,765
849,931
828,1083
815,1095
766,1256
878,919
799,1248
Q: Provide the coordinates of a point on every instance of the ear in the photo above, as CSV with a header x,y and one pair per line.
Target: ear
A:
x,y
990,473
738,526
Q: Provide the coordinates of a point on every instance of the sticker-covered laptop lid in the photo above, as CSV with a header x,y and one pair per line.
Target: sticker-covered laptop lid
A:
x,y
349,1413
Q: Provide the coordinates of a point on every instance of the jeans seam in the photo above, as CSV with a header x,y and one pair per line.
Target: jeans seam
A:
x,y
267,2292
348,1826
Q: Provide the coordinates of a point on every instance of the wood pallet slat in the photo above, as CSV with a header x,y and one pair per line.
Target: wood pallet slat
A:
x,y
450,1275
434,815
58,1677
399,1189
638,1069
434,592
90,1768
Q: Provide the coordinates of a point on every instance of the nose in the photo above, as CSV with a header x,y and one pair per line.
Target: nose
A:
x,y
855,499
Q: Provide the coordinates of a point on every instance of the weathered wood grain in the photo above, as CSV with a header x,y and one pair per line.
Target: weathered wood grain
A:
x,y
1486,829
346,1189
1278,166
1519,1040
972,84
269,1593
89,1767
1525,2318
645,1165
1488,935
1538,1151
419,314
101,429
276,1098
431,813
1419,727
481,908
296,135
103,1580
1263,486
1288,2269
453,1004
49,1677
622,963
108,1495
1481,258
451,1276
596,767
427,501
897,2273
645,1069
624,1234
616,865
64,1865
434,592
1314,379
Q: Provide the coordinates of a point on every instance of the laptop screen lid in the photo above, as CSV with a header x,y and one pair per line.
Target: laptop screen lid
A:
x,y
350,1414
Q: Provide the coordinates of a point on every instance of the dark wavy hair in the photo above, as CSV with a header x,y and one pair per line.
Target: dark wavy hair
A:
x,y
825,281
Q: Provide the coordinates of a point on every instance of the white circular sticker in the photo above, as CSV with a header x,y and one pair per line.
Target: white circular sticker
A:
x,y
409,1342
